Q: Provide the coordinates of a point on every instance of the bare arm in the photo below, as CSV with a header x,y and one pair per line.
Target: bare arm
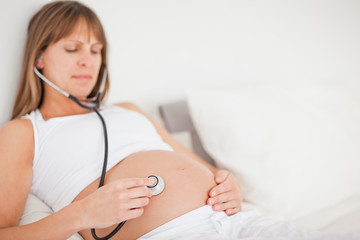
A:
x,y
16,153
118,201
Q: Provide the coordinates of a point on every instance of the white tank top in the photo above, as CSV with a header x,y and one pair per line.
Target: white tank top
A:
x,y
69,151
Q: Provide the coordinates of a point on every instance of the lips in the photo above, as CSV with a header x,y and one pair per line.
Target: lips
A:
x,y
82,77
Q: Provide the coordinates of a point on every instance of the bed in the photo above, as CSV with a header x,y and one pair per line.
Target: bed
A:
x,y
295,149
343,217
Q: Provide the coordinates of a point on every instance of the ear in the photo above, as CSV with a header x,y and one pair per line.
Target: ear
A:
x,y
40,64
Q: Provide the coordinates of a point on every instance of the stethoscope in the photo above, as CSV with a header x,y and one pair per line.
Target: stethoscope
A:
x,y
93,104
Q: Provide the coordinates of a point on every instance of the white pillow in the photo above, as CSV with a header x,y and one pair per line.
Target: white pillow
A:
x,y
295,149
35,209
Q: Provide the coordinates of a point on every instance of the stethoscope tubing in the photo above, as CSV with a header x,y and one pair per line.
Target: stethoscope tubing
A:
x,y
91,104
102,179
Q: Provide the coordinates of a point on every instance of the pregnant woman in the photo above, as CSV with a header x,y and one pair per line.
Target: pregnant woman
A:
x,y
54,148
56,142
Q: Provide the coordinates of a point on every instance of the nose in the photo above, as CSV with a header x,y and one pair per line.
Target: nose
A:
x,y
85,59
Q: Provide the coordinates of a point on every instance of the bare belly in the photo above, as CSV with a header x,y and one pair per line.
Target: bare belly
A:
x,y
187,185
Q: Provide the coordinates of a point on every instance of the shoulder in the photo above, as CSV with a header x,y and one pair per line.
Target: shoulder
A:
x,y
130,106
133,107
159,128
17,132
17,127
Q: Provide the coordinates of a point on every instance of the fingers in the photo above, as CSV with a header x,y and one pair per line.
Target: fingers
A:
x,y
133,200
115,202
128,208
221,176
137,203
221,188
134,213
132,193
226,196
232,211
225,201
134,182
224,206
228,199
138,192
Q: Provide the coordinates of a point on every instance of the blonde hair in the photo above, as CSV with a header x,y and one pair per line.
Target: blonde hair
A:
x,y
51,23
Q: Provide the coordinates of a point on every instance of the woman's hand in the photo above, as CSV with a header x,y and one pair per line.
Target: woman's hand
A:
x,y
226,196
116,202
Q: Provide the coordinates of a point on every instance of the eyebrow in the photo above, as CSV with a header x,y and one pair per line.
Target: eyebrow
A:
x,y
77,41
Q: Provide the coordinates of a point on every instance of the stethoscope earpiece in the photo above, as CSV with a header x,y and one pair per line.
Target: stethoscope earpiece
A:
x,y
89,103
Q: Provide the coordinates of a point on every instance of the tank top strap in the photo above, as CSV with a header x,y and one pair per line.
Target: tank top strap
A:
x,y
33,116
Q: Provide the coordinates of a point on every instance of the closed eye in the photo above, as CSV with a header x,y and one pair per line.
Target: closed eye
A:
x,y
71,50
95,51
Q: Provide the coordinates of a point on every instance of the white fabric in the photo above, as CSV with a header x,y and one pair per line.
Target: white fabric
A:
x,y
204,223
295,149
343,217
35,210
69,151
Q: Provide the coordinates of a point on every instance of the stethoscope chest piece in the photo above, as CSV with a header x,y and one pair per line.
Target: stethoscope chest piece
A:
x,y
159,185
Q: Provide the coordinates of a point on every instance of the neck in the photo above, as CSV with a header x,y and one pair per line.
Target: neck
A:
x,y
57,105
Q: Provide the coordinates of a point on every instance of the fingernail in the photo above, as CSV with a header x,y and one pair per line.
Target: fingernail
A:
x,y
211,201
218,179
152,181
212,194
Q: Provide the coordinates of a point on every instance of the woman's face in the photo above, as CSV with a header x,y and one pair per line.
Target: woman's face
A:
x,y
73,63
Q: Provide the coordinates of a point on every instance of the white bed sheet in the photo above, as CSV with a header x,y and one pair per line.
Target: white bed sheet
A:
x,y
218,237
344,218
341,218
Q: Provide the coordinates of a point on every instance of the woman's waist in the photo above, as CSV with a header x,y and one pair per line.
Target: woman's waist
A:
x,y
187,184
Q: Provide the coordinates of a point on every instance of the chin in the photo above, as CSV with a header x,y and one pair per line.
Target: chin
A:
x,y
81,94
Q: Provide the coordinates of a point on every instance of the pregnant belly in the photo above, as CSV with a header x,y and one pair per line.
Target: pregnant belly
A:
x,y
187,185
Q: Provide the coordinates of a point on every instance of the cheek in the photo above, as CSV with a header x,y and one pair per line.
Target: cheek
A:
x,y
59,62
98,62
58,71
64,69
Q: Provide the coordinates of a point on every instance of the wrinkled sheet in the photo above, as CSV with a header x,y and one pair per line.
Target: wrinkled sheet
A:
x,y
249,224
